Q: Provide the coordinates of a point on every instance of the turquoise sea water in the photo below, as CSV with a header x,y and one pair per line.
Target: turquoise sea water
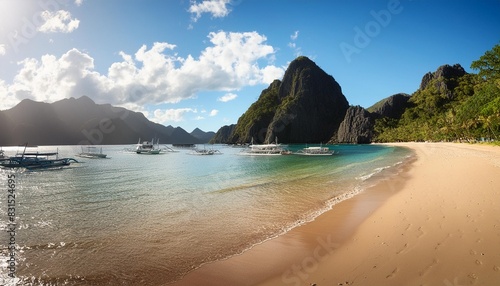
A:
x,y
149,219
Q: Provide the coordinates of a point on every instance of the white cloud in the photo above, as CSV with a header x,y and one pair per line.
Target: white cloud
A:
x,y
78,3
227,97
151,76
218,8
53,79
6,102
270,73
213,112
293,45
171,115
59,21
3,50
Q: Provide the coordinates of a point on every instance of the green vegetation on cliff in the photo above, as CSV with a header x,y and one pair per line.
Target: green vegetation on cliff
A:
x,y
451,105
306,106
258,116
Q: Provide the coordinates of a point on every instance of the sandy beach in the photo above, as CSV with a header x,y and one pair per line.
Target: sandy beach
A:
x,y
435,223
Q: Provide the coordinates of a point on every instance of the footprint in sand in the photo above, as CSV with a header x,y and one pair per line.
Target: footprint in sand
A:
x,y
408,227
458,281
428,267
402,249
421,232
392,273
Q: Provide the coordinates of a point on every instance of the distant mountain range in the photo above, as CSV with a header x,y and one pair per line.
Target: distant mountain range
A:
x,y
82,121
306,106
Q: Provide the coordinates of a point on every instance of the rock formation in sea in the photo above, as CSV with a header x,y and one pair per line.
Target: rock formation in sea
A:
x,y
312,105
356,128
306,106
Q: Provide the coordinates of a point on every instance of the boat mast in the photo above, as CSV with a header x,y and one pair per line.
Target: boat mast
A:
x,y
24,151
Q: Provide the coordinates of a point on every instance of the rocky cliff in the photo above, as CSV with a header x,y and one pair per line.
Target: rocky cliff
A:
x,y
312,105
223,135
445,72
393,106
306,106
356,128
255,121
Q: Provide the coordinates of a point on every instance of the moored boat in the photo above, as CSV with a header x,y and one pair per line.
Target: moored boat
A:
x,y
271,149
315,151
92,152
205,151
148,147
36,160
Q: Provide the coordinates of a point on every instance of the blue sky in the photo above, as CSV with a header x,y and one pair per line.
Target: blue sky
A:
x,y
203,63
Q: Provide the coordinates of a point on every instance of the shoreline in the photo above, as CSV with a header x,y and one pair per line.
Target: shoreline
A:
x,y
306,242
436,223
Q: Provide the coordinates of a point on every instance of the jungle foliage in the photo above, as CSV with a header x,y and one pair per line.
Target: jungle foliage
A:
x,y
465,108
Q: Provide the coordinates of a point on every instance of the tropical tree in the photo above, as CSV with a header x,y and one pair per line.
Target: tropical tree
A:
x,y
488,64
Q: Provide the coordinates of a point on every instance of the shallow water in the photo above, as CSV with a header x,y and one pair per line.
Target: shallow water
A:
x,y
149,219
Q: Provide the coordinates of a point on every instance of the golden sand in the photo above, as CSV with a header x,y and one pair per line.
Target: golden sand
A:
x,y
437,223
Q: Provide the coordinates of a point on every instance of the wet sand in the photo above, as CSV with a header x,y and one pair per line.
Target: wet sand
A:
x,y
436,223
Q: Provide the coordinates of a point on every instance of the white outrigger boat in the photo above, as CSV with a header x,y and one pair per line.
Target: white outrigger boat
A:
x,y
92,152
148,147
265,149
205,151
316,151
36,161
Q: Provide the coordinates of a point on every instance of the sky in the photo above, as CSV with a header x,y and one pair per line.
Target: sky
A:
x,y
202,63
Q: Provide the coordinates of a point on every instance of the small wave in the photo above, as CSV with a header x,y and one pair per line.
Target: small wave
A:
x,y
380,169
50,245
241,187
43,224
8,281
375,171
